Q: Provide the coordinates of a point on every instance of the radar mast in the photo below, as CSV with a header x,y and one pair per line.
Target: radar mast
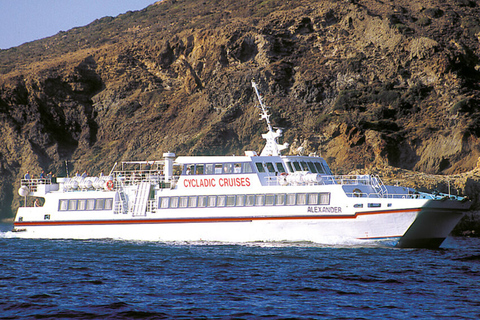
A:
x,y
272,147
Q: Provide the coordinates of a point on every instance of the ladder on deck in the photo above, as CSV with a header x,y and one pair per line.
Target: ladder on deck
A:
x,y
141,199
379,187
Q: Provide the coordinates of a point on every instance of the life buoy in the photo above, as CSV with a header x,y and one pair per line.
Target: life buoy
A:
x,y
109,185
357,192
284,174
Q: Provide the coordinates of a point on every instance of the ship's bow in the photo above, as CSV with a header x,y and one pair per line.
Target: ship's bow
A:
x,y
433,224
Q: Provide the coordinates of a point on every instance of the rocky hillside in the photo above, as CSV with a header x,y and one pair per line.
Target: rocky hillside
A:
x,y
367,84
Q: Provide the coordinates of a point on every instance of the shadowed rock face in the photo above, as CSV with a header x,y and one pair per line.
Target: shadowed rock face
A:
x,y
367,84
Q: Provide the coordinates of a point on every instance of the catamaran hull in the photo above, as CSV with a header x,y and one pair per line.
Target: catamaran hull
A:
x,y
415,227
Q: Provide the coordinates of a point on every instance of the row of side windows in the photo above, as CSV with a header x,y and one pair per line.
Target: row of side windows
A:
x,y
314,167
218,168
85,204
244,200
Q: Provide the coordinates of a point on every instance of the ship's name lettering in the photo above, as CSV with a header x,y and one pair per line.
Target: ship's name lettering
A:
x,y
324,209
213,182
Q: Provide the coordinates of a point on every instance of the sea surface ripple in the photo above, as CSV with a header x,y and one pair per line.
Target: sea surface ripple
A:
x,y
108,279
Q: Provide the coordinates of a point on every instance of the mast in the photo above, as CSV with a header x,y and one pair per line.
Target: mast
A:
x,y
272,147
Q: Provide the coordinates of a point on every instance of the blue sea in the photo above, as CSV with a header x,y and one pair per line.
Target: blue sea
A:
x,y
108,279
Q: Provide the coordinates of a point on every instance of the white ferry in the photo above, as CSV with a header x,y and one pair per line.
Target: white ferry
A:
x,y
249,198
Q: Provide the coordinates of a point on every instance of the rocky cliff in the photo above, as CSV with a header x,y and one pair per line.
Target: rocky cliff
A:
x,y
366,84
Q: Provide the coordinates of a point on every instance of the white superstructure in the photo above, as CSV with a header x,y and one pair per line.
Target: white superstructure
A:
x,y
266,197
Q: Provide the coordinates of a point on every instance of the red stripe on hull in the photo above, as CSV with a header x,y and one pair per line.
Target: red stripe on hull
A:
x,y
202,220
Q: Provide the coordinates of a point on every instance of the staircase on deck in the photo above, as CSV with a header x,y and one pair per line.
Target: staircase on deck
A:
x,y
141,199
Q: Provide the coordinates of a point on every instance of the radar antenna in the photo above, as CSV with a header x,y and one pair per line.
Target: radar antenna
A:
x,y
272,147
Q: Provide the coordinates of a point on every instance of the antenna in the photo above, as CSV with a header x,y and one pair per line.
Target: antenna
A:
x,y
272,148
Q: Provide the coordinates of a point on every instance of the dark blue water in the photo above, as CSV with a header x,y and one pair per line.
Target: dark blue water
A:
x,y
106,279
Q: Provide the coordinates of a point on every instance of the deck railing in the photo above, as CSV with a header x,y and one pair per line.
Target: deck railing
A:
x,y
32,184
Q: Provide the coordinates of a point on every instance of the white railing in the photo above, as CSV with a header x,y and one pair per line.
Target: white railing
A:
x,y
317,179
32,184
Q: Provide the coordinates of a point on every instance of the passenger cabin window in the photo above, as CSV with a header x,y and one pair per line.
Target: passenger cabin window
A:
x,y
183,202
291,199
280,199
247,167
174,202
269,199
221,201
301,198
209,168
192,202
199,169
164,203
202,201
250,200
228,168
85,204
212,201
239,200
237,168
230,200
218,168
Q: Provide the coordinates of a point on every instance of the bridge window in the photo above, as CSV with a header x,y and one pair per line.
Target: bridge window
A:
x,y
270,167
280,167
260,167
319,167
312,167
297,166
304,166
290,168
